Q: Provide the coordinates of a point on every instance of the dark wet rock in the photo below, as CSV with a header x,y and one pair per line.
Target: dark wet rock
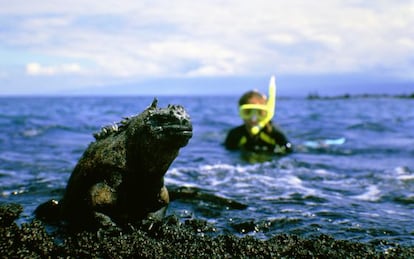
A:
x,y
170,238
120,177
9,213
196,194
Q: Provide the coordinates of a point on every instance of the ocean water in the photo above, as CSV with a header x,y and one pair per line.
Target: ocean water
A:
x,y
351,174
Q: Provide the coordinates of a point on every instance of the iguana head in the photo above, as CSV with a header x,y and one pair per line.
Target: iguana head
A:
x,y
170,125
155,136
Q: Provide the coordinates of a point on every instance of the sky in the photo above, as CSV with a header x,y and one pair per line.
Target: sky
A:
x,y
205,47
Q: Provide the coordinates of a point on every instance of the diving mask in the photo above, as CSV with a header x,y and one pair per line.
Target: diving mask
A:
x,y
263,113
256,112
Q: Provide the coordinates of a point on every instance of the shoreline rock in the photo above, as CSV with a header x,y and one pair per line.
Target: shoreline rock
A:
x,y
170,238
316,96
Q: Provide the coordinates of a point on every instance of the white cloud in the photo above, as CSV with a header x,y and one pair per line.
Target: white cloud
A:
x,y
36,69
194,38
283,38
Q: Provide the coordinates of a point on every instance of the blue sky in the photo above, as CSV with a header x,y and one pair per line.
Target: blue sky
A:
x,y
205,47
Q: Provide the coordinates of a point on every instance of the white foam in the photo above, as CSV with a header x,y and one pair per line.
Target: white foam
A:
x,y
257,181
32,132
406,177
372,194
404,174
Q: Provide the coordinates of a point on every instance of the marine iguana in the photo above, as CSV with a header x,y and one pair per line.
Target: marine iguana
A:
x,y
120,177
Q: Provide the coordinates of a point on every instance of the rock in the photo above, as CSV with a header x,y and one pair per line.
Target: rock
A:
x,y
9,213
195,194
169,238
120,177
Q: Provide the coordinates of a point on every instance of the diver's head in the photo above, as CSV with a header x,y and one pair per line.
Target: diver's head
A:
x,y
256,110
252,96
253,108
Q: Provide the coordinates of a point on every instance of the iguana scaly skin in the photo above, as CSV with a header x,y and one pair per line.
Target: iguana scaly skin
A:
x,y
120,176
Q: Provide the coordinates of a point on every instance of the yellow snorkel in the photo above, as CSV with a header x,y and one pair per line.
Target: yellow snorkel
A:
x,y
269,107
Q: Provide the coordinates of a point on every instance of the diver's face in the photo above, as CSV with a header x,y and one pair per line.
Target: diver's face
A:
x,y
252,117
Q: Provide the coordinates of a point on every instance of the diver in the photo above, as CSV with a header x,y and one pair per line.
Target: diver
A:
x,y
258,133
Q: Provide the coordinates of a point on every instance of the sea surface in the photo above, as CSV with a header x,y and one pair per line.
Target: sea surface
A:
x,y
351,174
